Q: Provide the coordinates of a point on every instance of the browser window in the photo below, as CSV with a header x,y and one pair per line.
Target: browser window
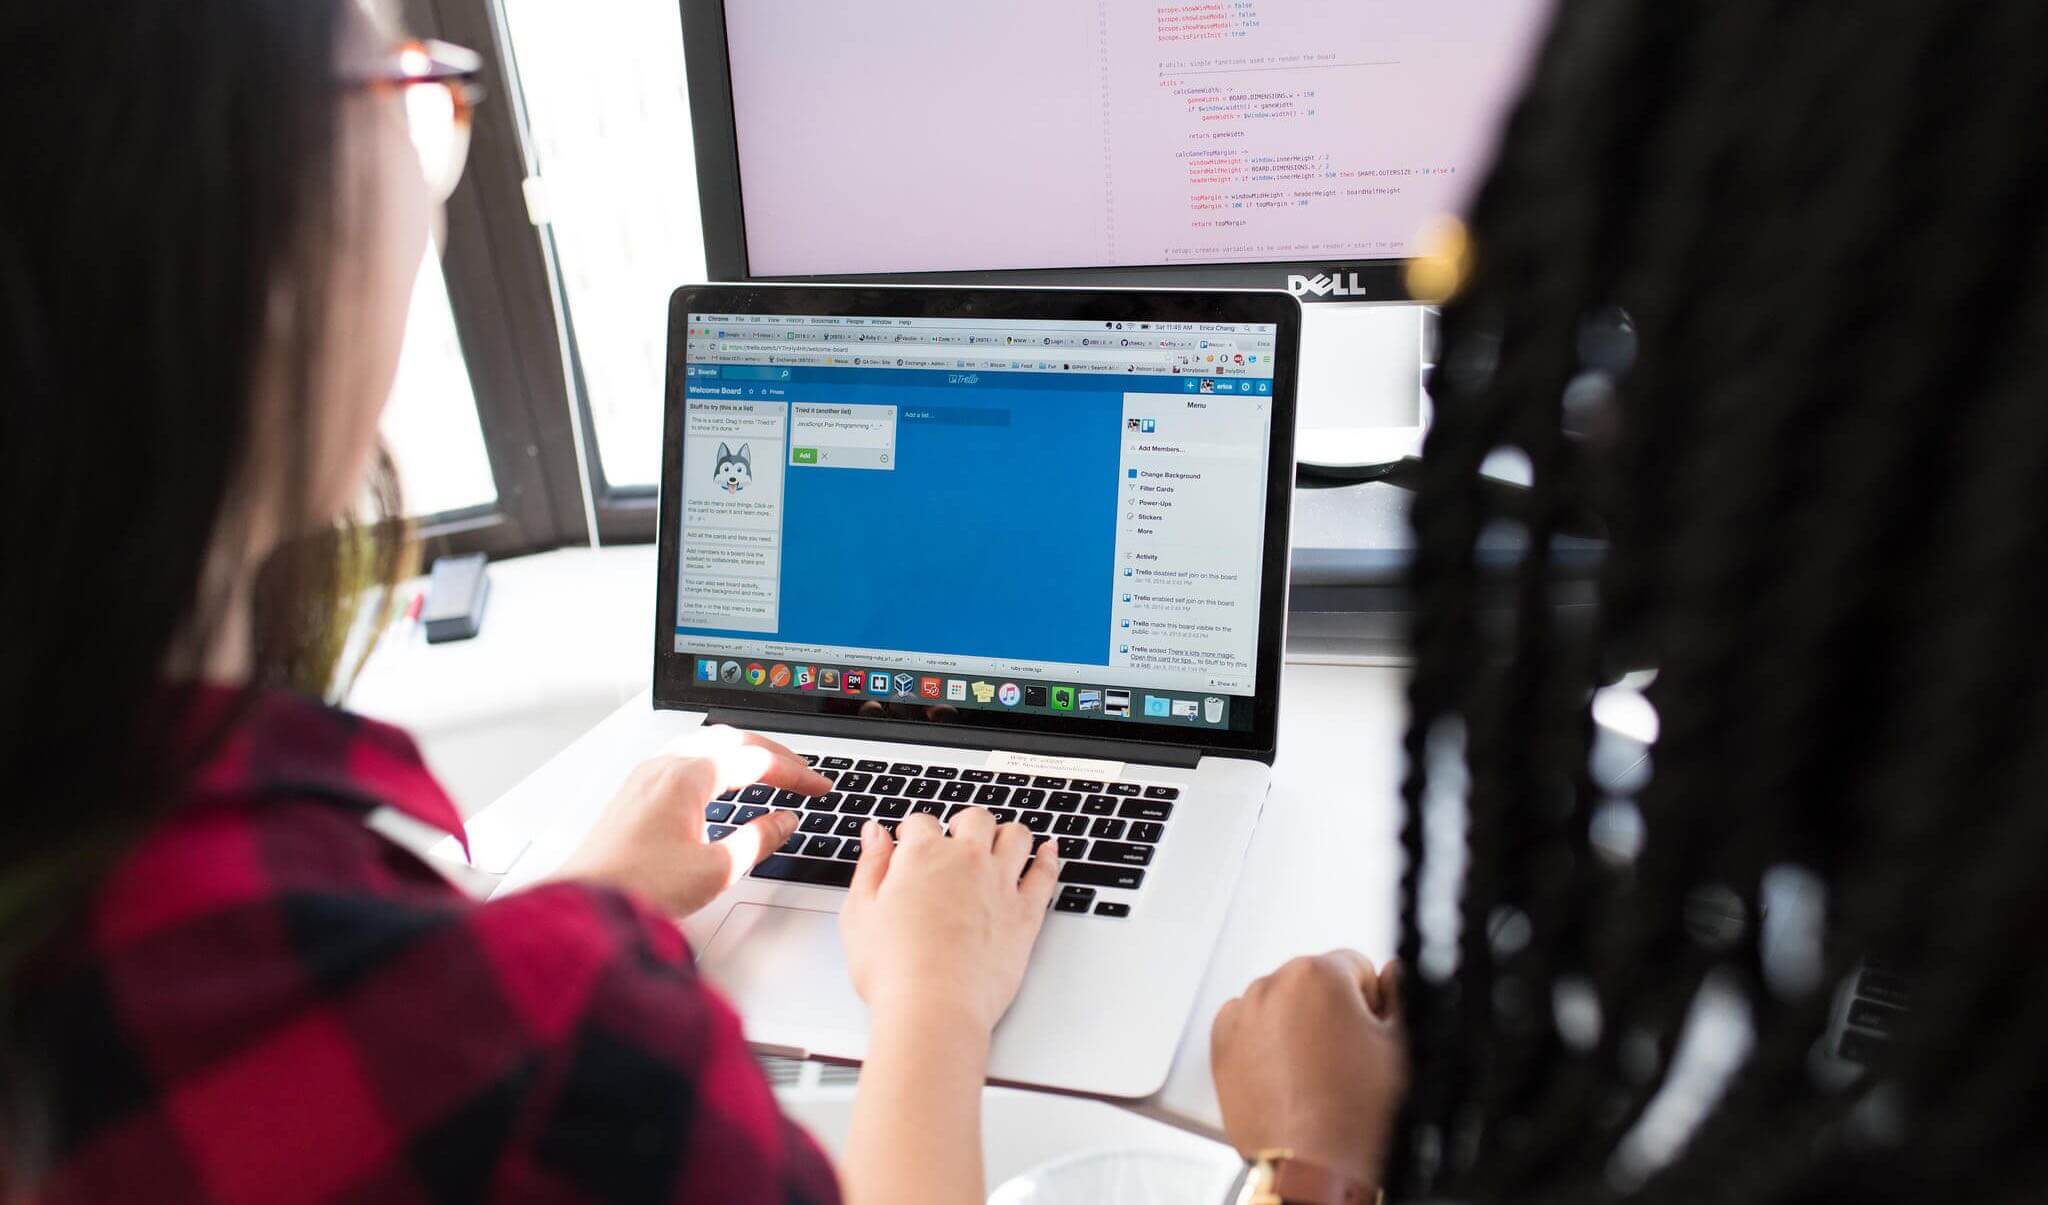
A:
x,y
1061,518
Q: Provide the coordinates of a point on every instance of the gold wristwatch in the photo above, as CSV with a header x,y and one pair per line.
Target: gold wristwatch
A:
x,y
1276,1177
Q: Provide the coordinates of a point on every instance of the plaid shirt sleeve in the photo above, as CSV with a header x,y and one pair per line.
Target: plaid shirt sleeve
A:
x,y
269,1003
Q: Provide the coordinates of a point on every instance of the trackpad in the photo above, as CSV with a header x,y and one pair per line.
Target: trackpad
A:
x,y
784,969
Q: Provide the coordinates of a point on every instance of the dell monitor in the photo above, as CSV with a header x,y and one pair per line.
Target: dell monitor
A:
x,y
1230,143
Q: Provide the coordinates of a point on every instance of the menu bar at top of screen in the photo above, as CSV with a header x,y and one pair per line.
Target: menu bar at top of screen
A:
x,y
1247,351
1000,325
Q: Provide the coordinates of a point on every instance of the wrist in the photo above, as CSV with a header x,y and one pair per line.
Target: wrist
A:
x,y
929,1012
1344,1159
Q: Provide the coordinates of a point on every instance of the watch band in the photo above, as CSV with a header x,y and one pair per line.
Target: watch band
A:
x,y
1299,1183
1276,1177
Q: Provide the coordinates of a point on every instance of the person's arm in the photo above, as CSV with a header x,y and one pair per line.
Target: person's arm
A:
x,y
938,930
1310,1059
937,933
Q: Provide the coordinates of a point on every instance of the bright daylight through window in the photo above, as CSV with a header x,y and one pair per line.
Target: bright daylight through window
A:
x,y
610,123
431,423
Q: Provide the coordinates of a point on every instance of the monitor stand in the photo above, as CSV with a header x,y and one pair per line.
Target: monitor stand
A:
x,y
1360,400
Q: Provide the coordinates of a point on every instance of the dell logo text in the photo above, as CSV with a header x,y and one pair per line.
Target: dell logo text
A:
x,y
1327,285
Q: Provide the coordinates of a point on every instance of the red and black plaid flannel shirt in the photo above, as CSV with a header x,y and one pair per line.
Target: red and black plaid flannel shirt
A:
x,y
269,1002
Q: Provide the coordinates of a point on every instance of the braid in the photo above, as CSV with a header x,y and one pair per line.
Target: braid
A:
x,y
1823,220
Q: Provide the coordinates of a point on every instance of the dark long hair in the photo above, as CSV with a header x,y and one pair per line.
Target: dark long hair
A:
x,y
1765,285
169,220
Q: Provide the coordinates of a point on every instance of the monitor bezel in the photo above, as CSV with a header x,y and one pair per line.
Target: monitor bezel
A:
x,y
721,200
675,686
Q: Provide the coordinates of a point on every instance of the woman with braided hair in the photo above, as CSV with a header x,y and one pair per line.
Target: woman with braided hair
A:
x,y
1764,287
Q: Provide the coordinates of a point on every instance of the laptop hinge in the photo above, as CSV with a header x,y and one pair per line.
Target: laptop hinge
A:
x,y
1140,752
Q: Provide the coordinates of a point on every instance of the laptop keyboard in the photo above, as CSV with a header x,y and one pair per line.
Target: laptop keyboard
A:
x,y
1107,832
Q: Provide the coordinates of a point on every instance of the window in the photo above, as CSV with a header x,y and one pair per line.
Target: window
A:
x,y
431,423
609,127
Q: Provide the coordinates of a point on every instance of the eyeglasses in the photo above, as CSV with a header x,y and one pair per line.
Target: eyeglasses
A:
x,y
439,84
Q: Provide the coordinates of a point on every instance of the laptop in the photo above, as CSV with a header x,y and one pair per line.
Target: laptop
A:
x,y
1017,549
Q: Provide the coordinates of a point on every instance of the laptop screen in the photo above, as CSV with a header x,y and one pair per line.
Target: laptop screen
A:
x,y
1054,519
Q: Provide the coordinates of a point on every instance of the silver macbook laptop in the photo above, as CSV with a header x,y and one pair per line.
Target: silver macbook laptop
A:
x,y
1017,549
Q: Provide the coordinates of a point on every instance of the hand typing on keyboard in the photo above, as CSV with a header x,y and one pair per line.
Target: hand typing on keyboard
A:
x,y
651,840
939,926
937,932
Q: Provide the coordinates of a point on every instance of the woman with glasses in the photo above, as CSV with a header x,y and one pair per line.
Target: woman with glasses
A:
x,y
217,982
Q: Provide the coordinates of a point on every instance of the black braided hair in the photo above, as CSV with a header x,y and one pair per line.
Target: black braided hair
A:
x,y
1764,284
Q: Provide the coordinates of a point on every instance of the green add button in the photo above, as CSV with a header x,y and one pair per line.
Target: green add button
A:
x,y
803,456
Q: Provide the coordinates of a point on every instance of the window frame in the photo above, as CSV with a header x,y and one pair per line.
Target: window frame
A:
x,y
501,285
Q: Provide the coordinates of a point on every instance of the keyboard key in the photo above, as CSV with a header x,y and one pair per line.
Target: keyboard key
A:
x,y
1162,792
1108,826
749,812
1071,848
805,870
1124,788
821,847
829,775
1146,831
828,802
856,782
1004,815
1074,899
1049,782
1100,805
1063,801
850,851
1882,987
1071,826
954,809
1129,878
869,765
790,799
1037,839
906,769
837,763
977,776
1120,853
794,845
1029,797
923,788
758,793
718,813
889,825
729,796
719,832
957,792
1037,822
810,759
991,795
941,772
1878,1018
849,826
1145,809
1083,785
893,809
858,805
928,807
889,784
1109,908
1014,780
1860,1047
818,822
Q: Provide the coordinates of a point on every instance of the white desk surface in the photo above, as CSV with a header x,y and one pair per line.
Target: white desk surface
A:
x,y
1322,871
